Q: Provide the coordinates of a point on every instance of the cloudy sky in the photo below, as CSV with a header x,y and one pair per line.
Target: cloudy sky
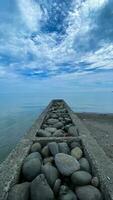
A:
x,y
54,44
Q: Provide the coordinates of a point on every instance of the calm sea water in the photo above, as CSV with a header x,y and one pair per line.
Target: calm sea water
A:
x,y
17,113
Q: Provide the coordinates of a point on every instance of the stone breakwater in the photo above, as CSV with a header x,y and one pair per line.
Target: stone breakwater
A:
x,y
57,160
57,170
57,123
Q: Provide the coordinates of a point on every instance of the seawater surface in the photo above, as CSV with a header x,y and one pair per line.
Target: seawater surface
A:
x,y
18,113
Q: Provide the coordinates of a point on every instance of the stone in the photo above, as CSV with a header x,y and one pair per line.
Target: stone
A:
x,y
52,121
19,192
77,153
88,192
58,133
45,151
33,155
51,174
58,125
43,133
51,129
72,131
84,165
95,181
81,178
56,187
36,147
40,189
31,169
66,164
53,147
66,194
68,120
63,148
75,144
48,160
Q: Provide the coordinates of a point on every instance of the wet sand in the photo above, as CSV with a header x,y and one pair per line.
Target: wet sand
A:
x,y
101,128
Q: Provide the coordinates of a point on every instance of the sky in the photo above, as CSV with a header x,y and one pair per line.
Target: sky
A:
x,y
55,46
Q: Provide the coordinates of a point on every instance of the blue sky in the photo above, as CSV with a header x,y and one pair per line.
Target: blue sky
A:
x,y
65,45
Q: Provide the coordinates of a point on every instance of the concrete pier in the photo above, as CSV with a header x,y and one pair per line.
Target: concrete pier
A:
x,y
101,165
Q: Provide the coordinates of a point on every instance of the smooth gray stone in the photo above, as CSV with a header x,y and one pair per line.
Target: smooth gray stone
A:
x,y
52,121
45,151
43,133
19,192
66,164
66,194
72,131
51,129
84,165
77,153
68,120
53,147
58,133
51,174
36,147
40,189
58,125
48,160
88,192
31,169
81,178
75,144
33,155
56,187
63,148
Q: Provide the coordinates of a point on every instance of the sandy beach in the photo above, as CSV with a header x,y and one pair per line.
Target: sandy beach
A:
x,y
101,128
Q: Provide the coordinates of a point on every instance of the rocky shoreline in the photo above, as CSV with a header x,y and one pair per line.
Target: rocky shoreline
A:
x,y
56,170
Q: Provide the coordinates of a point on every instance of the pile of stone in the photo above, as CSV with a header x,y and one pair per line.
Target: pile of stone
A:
x,y
57,123
56,171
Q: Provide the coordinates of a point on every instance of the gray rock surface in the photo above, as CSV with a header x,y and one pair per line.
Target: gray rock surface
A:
x,y
84,164
36,147
72,131
88,193
63,148
77,153
66,164
40,189
19,192
43,133
52,121
81,178
33,155
53,147
51,174
66,194
31,169
56,187
45,151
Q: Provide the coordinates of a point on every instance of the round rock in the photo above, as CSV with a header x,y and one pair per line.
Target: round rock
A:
x,y
66,194
40,189
72,131
53,147
63,148
95,181
84,164
51,129
45,151
56,187
77,153
33,155
43,133
81,178
88,192
48,160
58,133
36,147
51,174
31,169
19,192
66,164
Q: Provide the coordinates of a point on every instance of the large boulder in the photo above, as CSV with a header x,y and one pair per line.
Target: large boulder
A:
x,y
66,164
80,178
19,192
40,189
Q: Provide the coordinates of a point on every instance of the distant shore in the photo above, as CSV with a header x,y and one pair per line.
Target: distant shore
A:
x,y
101,128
